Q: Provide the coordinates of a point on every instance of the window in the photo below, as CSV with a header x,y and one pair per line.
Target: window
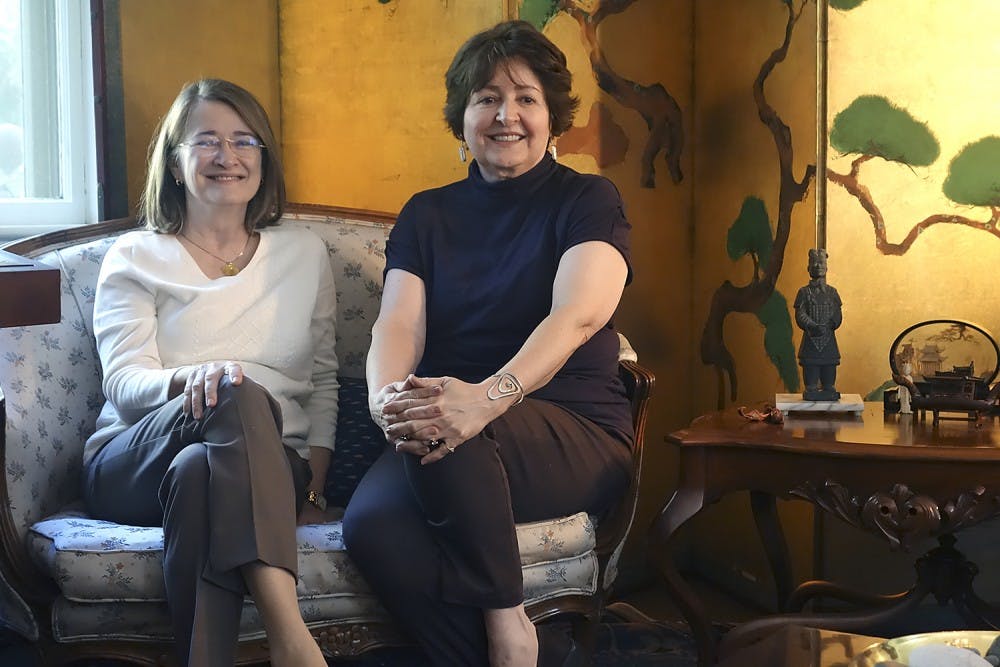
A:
x,y
47,148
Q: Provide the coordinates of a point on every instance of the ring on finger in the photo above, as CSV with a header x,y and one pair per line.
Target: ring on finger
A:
x,y
434,444
450,449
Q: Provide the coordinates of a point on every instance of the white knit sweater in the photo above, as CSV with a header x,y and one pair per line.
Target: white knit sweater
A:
x,y
156,312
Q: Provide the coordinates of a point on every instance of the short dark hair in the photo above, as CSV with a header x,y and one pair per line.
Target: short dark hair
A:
x,y
162,205
477,60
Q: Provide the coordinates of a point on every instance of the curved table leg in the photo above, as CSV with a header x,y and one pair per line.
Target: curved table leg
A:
x,y
976,611
772,537
953,576
827,589
748,633
943,572
684,504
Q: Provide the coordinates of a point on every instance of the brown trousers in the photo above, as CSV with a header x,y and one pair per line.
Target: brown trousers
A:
x,y
224,489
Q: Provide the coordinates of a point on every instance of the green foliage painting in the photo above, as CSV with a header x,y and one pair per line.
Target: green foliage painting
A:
x,y
845,4
974,174
778,339
750,234
653,102
538,12
872,127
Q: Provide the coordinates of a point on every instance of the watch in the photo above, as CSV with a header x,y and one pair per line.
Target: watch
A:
x,y
317,499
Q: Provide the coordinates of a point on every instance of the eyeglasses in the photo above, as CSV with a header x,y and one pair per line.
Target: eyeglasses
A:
x,y
211,145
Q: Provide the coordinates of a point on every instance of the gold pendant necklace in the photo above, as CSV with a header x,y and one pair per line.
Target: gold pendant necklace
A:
x,y
229,267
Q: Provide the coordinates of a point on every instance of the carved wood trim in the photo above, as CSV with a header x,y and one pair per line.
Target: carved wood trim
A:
x,y
900,515
639,382
33,246
351,640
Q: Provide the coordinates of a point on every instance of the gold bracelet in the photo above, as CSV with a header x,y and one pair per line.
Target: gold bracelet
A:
x,y
506,385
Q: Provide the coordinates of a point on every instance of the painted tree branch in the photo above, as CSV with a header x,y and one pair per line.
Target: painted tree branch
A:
x,y
729,298
853,185
656,106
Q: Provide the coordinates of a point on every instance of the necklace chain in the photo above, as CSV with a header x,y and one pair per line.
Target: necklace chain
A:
x,y
229,267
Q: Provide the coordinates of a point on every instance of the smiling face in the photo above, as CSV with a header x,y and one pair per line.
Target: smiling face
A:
x,y
221,176
506,122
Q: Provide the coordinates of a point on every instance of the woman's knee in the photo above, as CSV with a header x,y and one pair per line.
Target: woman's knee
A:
x,y
247,392
372,530
187,476
239,404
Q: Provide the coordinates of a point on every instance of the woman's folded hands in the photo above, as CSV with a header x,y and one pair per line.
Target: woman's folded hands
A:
x,y
431,417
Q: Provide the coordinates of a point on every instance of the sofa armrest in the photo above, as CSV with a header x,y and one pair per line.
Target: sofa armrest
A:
x,y
16,573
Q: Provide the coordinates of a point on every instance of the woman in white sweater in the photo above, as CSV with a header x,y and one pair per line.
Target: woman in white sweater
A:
x,y
216,336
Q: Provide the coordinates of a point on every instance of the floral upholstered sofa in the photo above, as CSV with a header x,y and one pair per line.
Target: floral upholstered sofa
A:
x,y
78,587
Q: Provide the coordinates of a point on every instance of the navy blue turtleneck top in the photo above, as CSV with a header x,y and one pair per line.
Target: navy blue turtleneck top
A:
x,y
488,254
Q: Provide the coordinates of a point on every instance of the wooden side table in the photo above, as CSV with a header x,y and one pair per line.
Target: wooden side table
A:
x,y
29,292
891,475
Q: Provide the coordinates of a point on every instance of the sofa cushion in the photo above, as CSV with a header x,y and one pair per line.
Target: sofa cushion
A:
x,y
357,256
150,620
359,442
101,561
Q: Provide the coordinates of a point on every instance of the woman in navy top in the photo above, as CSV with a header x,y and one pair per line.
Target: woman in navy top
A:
x,y
494,361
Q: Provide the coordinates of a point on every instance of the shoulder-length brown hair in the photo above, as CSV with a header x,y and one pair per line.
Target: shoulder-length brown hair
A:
x,y
476,62
162,204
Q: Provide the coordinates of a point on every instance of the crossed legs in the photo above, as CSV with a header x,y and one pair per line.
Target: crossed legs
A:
x,y
226,500
437,542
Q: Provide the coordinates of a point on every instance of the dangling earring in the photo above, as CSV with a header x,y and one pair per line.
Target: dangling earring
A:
x,y
461,151
553,151
178,182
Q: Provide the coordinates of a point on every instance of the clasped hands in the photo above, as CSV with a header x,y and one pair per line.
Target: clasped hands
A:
x,y
416,411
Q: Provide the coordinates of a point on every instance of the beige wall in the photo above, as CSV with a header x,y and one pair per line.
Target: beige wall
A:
x,y
934,61
166,44
735,157
649,43
362,87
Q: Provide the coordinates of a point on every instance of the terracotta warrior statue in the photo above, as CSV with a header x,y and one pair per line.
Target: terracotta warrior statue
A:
x,y
817,312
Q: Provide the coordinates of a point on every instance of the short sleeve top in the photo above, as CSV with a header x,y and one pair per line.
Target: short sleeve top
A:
x,y
488,254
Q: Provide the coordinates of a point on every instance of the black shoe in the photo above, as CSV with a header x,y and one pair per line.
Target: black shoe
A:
x,y
576,657
556,648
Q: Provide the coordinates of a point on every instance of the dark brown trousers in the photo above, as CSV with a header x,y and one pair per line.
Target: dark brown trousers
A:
x,y
224,488
437,542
